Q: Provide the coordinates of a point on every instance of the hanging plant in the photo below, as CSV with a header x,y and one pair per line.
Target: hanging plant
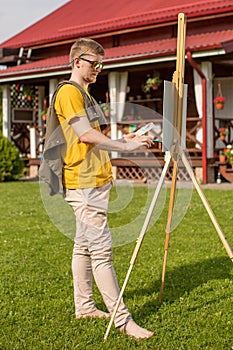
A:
x,y
222,133
219,102
219,99
152,83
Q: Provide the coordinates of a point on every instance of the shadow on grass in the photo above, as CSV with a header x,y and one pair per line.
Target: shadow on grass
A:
x,y
180,281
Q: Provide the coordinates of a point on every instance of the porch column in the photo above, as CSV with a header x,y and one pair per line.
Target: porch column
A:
x,y
206,68
117,91
36,135
41,107
52,86
117,87
6,115
33,142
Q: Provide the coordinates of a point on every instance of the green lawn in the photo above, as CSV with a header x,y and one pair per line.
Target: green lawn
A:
x,y
36,293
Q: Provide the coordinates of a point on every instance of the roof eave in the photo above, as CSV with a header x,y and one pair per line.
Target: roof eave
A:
x,y
120,62
228,46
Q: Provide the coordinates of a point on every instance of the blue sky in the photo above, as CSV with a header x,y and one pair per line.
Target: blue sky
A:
x,y
17,15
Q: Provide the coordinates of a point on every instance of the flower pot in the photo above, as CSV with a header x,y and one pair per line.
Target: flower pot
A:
x,y
222,137
222,158
155,87
219,105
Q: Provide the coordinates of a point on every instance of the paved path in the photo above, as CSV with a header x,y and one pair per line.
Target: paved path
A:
x,y
221,186
180,184
184,184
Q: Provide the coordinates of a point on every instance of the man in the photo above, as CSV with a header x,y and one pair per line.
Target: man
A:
x,y
87,180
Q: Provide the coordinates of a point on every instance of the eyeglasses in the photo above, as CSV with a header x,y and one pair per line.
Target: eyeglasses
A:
x,y
95,64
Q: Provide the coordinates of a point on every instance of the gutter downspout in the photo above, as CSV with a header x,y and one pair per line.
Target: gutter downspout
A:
x,y
204,117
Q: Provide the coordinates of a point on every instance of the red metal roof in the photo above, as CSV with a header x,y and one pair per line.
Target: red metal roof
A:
x,y
194,43
199,42
84,18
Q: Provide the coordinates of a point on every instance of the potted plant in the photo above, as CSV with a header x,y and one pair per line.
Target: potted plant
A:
x,y
222,157
219,102
228,151
105,108
151,83
222,133
43,115
29,95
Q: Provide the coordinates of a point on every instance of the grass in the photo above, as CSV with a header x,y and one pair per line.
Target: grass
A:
x,y
36,292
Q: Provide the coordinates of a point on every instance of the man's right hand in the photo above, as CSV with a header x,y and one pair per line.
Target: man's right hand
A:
x,y
134,142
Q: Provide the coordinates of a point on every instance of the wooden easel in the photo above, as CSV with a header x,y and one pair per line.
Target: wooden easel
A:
x,y
174,154
178,80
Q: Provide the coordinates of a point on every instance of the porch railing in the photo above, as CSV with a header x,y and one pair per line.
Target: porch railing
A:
x,y
193,145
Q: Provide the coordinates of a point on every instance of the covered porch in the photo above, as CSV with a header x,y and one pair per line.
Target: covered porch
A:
x,y
25,105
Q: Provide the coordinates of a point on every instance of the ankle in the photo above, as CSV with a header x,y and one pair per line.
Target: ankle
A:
x,y
94,314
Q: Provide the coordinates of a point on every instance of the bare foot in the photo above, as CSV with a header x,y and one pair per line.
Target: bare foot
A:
x,y
95,314
132,329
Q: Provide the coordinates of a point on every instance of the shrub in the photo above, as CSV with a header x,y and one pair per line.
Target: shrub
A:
x,y
11,164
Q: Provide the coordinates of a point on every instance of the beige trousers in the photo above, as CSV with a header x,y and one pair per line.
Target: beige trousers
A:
x,y
92,253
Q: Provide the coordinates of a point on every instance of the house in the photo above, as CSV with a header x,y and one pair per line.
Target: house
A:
x,y
140,41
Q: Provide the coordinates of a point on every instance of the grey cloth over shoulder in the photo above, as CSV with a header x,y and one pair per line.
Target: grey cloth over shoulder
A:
x,y
50,171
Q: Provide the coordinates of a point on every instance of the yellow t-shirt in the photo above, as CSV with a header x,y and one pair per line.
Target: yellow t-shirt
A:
x,y
85,165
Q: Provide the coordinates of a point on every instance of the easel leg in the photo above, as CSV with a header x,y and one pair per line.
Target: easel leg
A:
x,y
140,239
168,228
207,206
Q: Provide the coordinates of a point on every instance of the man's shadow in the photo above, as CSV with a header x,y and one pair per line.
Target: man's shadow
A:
x,y
180,281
